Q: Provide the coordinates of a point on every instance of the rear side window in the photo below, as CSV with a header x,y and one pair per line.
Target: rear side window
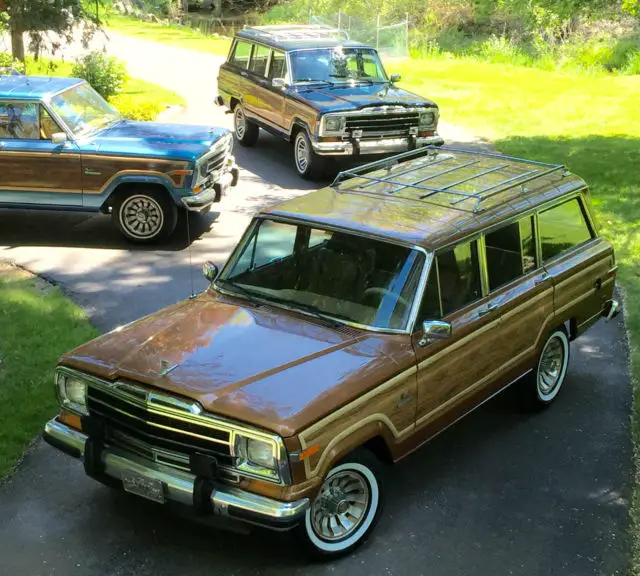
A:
x,y
459,275
241,53
259,60
510,252
562,227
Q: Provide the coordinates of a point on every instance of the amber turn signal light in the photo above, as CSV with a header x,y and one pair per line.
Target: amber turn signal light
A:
x,y
70,419
308,452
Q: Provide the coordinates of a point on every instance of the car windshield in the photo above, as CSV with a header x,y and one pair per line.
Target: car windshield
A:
x,y
337,65
338,275
83,110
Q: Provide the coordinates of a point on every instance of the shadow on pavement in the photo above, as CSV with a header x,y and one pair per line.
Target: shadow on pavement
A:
x,y
80,230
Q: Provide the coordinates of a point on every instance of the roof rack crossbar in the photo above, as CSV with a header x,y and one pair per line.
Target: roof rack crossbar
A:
x,y
431,176
533,174
491,155
412,169
473,177
295,32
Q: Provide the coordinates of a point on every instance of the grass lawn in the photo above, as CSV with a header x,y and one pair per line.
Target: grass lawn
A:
x,y
38,324
138,100
171,34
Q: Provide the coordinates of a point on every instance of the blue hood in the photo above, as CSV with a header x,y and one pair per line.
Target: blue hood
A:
x,y
338,98
153,139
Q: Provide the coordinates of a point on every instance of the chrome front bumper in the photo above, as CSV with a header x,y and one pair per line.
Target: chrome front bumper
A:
x,y
203,200
180,486
364,147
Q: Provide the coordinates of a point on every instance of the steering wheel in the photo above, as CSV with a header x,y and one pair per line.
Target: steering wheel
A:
x,y
382,292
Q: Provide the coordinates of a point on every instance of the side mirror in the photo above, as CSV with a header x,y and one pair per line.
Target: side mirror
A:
x,y
210,271
395,78
58,138
434,330
278,83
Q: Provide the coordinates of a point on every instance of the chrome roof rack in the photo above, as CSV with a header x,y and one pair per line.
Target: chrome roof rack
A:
x,y
296,32
447,177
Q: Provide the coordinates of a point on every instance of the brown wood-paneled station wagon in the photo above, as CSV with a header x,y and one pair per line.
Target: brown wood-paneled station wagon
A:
x,y
348,327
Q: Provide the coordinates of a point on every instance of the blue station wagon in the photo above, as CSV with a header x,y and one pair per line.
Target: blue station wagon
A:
x,y
63,147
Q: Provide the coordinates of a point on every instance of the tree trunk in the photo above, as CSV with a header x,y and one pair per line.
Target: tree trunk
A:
x,y
185,6
17,43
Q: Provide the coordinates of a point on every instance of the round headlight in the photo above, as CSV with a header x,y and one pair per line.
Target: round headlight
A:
x,y
72,392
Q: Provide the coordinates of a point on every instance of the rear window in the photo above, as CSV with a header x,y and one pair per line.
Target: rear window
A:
x,y
562,227
241,54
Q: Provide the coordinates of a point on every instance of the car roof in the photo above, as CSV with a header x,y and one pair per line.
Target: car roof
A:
x,y
431,197
299,37
34,87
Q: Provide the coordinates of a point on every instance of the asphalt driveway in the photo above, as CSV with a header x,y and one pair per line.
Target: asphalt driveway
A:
x,y
499,493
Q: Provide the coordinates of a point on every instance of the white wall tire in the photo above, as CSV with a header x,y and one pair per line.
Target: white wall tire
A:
x,y
346,509
308,164
542,387
245,131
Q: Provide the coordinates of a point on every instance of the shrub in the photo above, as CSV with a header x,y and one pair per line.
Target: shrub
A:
x,y
136,109
7,61
105,73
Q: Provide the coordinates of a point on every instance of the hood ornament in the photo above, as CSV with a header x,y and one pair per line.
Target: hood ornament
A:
x,y
165,368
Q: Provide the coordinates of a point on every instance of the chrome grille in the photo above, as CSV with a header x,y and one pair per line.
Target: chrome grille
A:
x,y
128,422
392,124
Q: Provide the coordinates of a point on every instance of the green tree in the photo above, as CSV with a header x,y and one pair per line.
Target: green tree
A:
x,y
41,18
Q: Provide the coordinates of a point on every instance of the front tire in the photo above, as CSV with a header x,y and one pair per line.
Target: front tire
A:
x,y
246,132
308,164
145,215
542,387
346,509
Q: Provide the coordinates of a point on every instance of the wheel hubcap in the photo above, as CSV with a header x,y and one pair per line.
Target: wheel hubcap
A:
x,y
240,123
302,154
142,216
341,506
550,366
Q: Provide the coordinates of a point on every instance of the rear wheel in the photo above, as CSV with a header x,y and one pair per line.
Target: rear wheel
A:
x,y
541,387
347,507
246,132
145,215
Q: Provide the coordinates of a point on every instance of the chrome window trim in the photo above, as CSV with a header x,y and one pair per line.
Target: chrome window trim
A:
x,y
417,297
190,411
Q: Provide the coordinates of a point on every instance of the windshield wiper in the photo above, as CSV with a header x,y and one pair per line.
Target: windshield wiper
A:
x,y
313,310
251,296
315,80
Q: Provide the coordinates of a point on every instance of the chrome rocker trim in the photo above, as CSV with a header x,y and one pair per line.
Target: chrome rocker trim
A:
x,y
381,146
180,486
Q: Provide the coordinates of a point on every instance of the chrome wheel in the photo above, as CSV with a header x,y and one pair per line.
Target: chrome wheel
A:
x,y
341,506
302,153
240,122
141,216
552,366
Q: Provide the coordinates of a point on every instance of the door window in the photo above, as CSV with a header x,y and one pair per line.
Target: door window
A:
x,y
48,126
459,276
19,120
259,60
562,227
278,65
510,252
241,54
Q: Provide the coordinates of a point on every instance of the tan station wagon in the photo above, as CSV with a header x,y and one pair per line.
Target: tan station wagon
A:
x,y
348,327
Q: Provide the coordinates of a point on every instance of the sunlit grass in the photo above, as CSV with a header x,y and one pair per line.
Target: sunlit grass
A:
x,y
36,327
138,100
170,34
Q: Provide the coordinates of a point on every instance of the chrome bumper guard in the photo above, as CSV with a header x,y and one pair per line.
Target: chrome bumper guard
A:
x,y
180,486
203,200
382,146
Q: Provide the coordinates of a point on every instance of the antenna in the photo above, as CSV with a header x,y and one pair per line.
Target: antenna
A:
x,y
193,290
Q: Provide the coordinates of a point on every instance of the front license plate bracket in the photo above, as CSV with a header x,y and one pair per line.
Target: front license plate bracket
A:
x,y
148,488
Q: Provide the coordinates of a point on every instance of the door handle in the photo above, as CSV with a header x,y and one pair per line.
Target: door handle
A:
x,y
488,308
541,279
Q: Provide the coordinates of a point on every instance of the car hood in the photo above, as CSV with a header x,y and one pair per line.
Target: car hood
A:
x,y
339,99
260,365
175,141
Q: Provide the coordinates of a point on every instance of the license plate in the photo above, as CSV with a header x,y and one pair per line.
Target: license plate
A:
x,y
148,488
